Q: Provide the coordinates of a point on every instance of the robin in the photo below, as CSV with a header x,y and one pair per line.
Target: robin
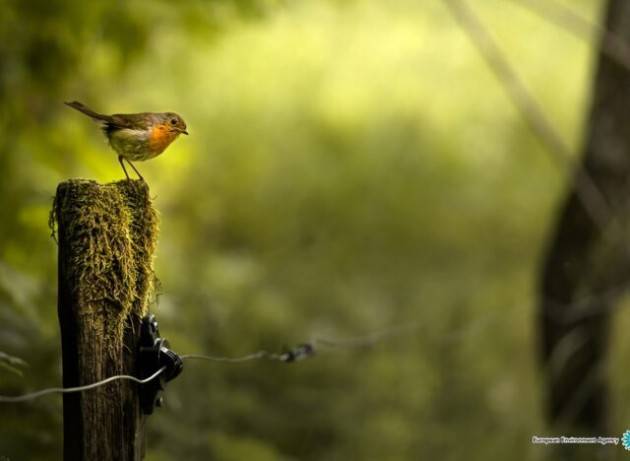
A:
x,y
137,136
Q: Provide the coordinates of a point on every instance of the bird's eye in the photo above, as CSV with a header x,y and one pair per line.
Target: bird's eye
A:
x,y
173,121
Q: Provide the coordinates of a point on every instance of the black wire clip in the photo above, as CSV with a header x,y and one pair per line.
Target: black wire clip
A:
x,y
300,352
154,354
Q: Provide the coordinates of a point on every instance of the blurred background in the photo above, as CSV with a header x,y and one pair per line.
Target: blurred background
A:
x,y
352,166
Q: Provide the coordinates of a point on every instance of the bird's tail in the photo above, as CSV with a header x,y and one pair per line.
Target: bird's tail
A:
x,y
87,111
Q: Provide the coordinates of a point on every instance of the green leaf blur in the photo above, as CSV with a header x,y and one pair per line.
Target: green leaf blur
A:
x,y
351,166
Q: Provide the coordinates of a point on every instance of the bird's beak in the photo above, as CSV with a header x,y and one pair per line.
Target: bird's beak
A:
x,y
184,132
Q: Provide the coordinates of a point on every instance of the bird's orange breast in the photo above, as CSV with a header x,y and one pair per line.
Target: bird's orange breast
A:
x,y
159,139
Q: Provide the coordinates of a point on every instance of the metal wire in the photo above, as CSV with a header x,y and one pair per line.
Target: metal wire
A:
x,y
69,390
245,358
294,354
367,340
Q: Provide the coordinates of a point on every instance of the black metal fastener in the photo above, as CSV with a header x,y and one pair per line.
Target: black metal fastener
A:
x,y
154,354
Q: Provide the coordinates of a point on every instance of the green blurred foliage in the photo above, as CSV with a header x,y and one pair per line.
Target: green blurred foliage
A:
x,y
351,166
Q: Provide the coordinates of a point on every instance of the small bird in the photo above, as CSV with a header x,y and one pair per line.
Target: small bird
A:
x,y
140,136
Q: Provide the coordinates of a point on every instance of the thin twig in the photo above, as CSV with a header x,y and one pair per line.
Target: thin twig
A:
x,y
564,17
595,204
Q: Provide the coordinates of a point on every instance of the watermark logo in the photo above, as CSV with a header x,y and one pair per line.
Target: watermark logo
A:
x,y
625,440
569,440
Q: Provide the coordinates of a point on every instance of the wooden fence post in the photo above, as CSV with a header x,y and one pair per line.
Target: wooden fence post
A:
x,y
107,236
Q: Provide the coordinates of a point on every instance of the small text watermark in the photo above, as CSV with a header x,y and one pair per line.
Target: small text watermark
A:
x,y
564,440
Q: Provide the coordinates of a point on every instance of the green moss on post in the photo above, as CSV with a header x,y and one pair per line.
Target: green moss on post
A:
x,y
107,235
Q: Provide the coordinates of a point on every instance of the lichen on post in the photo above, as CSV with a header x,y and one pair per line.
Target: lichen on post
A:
x,y
107,236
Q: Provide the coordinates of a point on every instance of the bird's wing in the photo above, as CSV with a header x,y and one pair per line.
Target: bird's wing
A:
x,y
135,121
126,121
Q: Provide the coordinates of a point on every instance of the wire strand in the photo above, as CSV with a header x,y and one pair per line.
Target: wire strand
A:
x,y
295,354
369,339
261,354
69,390
300,352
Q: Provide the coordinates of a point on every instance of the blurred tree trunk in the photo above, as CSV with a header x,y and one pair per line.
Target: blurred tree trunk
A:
x,y
586,266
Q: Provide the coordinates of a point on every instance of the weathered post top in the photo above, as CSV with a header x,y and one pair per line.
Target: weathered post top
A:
x,y
107,235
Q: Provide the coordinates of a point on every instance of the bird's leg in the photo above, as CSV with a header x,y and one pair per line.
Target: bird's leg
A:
x,y
122,164
135,169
